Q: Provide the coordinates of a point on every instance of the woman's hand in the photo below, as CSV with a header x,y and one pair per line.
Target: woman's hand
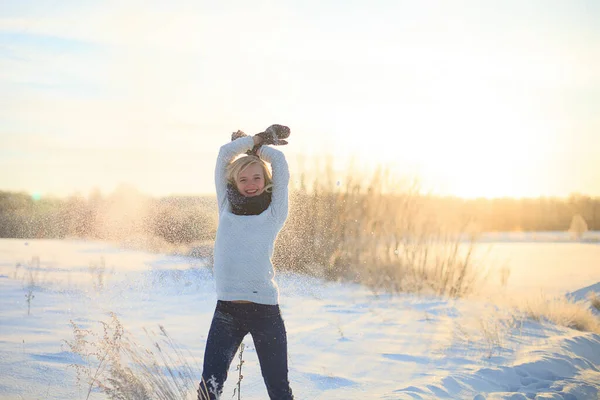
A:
x,y
257,140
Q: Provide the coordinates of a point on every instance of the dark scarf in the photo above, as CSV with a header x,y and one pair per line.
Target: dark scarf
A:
x,y
242,205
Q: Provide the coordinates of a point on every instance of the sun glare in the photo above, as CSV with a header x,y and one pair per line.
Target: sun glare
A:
x,y
469,142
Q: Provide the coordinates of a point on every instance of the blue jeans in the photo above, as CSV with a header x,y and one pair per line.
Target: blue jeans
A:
x,y
231,322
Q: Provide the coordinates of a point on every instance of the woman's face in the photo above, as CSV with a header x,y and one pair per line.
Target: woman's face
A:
x,y
251,181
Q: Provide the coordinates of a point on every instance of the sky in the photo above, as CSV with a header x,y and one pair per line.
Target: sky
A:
x,y
473,98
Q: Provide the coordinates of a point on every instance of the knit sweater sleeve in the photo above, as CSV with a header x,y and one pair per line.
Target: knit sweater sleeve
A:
x,y
281,178
226,154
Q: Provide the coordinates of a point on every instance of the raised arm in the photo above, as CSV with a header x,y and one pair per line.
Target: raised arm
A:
x,y
281,178
226,154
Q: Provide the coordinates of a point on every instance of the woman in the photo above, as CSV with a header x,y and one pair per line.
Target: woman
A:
x,y
253,207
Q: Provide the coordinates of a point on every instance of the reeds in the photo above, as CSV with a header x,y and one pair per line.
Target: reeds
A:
x,y
561,311
379,231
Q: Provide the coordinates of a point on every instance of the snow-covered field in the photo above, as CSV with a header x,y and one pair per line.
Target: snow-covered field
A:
x,y
344,341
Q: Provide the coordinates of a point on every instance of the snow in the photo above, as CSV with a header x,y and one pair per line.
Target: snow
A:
x,y
583,293
345,342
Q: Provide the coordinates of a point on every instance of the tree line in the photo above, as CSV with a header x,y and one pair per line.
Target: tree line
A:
x,y
187,219
123,214
526,214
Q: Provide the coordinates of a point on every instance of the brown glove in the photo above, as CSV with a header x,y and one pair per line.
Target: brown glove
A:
x,y
275,134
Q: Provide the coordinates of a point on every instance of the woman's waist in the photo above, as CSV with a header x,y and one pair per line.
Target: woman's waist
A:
x,y
247,309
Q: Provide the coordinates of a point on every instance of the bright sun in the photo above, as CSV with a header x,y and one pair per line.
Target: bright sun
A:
x,y
472,143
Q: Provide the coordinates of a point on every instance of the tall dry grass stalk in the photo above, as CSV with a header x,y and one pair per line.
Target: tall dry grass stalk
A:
x,y
97,273
33,277
113,363
238,388
377,230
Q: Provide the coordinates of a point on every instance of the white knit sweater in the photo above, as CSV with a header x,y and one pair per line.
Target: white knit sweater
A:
x,y
244,244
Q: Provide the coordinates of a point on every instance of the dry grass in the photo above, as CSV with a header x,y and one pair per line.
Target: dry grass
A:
x,y
97,273
595,301
488,334
33,277
561,311
378,231
116,365
238,388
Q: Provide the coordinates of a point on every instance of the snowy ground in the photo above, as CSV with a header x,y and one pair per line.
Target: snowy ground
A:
x,y
344,342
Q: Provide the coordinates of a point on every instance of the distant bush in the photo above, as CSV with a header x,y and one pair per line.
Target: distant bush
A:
x,y
578,227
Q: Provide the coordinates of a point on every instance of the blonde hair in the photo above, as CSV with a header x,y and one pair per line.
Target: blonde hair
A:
x,y
237,166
